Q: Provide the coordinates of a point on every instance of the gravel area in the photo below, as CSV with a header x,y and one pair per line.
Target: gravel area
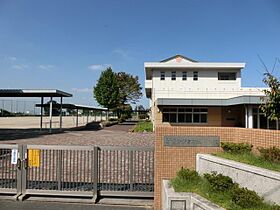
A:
x,y
117,135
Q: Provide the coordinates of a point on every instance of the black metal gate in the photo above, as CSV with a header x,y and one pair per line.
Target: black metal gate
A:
x,y
86,171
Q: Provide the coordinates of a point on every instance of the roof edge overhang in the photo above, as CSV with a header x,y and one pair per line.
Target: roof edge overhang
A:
x,y
199,65
33,93
239,100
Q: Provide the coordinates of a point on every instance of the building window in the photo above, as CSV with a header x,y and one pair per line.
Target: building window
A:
x,y
195,75
173,75
184,75
226,75
162,75
185,115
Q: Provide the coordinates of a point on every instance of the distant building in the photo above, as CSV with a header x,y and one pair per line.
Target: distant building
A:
x,y
183,91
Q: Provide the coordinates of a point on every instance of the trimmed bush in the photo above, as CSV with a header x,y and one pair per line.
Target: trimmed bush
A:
x,y
271,154
187,174
236,147
219,182
246,198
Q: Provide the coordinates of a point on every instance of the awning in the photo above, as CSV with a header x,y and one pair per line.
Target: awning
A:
x,y
239,100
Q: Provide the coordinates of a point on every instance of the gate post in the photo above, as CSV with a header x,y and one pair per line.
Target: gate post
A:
x,y
95,173
19,171
23,166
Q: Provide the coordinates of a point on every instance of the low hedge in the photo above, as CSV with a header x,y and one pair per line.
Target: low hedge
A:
x,y
219,189
236,147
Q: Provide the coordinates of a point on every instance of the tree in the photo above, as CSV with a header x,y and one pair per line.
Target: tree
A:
x,y
106,91
129,88
271,107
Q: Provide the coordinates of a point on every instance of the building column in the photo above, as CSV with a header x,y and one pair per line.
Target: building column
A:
x,y
248,116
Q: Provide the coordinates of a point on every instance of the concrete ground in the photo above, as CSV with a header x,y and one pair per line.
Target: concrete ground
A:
x,y
34,122
116,135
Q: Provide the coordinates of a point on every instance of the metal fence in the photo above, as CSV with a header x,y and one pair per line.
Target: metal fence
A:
x,y
76,170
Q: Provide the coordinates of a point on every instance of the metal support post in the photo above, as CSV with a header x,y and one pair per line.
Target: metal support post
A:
x,y
77,118
131,170
41,117
60,114
95,173
51,103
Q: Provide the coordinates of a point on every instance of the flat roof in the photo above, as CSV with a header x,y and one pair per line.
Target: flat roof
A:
x,y
33,93
73,106
210,102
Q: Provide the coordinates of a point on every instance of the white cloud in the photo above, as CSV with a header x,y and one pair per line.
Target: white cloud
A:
x,y
10,58
121,52
98,67
82,90
45,67
20,66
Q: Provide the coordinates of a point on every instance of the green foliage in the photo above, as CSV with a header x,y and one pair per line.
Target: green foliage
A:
x,y
245,198
116,90
106,90
251,159
187,174
143,126
225,198
236,147
129,88
219,182
271,108
270,154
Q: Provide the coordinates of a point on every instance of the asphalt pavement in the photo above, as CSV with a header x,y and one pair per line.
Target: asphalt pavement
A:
x,y
39,205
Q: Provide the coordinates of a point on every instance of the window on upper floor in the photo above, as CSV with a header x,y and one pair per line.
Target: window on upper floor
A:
x,y
162,75
195,75
173,75
184,75
226,75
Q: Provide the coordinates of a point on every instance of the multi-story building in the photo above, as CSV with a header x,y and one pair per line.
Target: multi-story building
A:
x,y
183,91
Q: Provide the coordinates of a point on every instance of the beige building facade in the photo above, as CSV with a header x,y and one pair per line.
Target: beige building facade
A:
x,y
183,91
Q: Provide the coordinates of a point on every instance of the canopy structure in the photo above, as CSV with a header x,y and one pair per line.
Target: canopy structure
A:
x,y
76,107
42,93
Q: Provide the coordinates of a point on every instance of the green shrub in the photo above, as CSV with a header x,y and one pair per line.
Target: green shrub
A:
x,y
270,154
219,182
245,198
187,174
143,126
236,147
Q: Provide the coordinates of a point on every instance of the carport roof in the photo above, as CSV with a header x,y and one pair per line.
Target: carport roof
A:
x,y
33,93
74,106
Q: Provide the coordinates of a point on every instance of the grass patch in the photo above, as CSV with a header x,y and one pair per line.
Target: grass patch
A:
x,y
143,126
251,159
223,198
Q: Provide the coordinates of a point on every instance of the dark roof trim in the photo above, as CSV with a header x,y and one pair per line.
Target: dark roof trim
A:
x,y
210,102
73,106
175,56
33,93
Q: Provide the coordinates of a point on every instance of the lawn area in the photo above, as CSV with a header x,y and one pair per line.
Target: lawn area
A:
x,y
143,126
251,159
225,198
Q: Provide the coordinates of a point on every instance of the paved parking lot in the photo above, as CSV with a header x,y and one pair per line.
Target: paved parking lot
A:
x,y
117,135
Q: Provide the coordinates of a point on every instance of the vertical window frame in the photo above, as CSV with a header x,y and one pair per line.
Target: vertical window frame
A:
x,y
173,76
195,76
162,75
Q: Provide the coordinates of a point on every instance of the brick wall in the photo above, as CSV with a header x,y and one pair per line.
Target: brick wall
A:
x,y
168,160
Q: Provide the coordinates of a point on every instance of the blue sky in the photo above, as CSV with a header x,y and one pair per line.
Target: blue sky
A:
x,y
64,44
